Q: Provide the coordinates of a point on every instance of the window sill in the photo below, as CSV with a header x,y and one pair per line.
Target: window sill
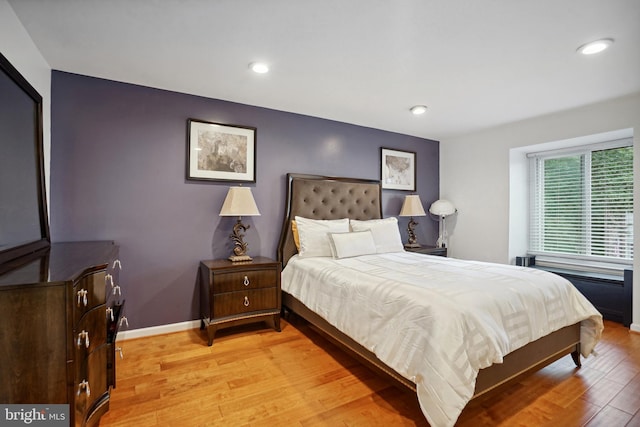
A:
x,y
576,272
583,267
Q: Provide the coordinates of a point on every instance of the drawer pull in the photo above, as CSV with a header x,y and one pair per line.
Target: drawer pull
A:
x,y
82,297
117,262
108,279
116,290
246,301
124,319
83,335
246,281
84,386
110,313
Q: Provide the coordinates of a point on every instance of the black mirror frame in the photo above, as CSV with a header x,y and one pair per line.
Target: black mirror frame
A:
x,y
12,254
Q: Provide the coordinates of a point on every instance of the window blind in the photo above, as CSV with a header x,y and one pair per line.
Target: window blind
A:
x,y
581,203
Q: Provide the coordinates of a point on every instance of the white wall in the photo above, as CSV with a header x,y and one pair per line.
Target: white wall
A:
x,y
19,49
474,175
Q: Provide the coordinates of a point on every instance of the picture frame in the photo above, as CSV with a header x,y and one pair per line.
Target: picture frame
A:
x,y
397,169
220,152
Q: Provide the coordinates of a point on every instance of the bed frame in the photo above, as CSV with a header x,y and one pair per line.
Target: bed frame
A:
x,y
322,197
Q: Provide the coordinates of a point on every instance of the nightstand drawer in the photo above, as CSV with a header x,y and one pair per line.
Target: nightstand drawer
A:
x,y
232,303
239,281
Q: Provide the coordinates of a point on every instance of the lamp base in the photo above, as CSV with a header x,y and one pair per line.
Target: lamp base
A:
x,y
240,258
412,245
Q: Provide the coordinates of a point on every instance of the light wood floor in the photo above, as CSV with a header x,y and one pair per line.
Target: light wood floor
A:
x,y
253,376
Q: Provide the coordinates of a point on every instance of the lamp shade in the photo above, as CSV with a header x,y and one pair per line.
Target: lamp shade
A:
x,y
442,208
412,206
239,202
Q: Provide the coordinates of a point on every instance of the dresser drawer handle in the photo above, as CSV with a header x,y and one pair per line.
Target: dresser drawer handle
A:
x,y
124,319
84,386
82,297
246,281
83,335
246,301
110,313
116,290
108,279
117,262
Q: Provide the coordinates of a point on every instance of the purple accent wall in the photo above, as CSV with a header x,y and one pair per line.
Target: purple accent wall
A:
x,y
118,173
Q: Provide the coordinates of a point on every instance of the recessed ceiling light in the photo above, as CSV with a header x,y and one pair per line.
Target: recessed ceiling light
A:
x,y
259,67
418,109
595,46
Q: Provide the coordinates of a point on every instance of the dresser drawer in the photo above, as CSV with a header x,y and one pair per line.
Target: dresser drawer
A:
x,y
238,281
231,303
90,332
90,386
88,292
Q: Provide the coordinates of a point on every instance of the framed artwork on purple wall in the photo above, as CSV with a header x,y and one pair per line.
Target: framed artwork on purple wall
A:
x,y
220,152
398,169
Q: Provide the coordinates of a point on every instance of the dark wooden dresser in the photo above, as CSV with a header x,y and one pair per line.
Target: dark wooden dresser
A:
x,y
61,312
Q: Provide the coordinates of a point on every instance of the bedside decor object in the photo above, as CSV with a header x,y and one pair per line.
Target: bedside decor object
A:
x,y
218,152
398,169
239,202
411,207
442,208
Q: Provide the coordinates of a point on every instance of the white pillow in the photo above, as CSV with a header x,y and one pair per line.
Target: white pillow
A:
x,y
385,233
346,245
313,233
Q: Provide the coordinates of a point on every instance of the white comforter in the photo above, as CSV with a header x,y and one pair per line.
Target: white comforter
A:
x,y
438,320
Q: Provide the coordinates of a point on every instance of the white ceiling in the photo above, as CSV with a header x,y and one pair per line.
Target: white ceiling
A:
x,y
475,64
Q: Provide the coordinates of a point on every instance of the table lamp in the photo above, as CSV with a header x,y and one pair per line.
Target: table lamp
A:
x,y
411,207
239,202
442,208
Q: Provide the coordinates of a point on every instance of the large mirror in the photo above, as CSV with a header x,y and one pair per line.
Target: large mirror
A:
x,y
24,225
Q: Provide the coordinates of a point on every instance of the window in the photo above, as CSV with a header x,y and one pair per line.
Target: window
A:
x,y
581,207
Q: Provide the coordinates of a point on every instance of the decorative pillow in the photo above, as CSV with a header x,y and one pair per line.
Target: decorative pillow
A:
x,y
296,235
385,233
313,234
346,245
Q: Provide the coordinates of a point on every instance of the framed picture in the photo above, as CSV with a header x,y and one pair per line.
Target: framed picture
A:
x,y
398,169
220,152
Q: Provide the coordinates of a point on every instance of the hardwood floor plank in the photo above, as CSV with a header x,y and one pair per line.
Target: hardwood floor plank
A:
x,y
609,417
602,392
577,414
628,400
254,376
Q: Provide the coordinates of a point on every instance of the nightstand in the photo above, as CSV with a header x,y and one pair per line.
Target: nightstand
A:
x,y
428,250
237,293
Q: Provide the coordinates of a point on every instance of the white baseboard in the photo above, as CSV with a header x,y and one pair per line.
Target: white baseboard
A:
x,y
157,330
635,327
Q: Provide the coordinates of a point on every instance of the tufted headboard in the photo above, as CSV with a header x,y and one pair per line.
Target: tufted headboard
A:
x,y
325,197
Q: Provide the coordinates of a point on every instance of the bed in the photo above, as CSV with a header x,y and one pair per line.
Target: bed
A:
x,y
442,398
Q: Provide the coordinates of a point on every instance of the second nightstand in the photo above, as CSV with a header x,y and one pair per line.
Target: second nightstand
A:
x,y
428,250
237,293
